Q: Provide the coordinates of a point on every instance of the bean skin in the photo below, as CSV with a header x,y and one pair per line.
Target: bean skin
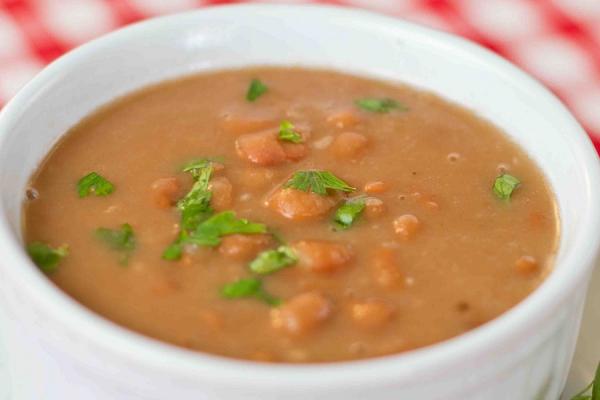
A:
x,y
349,145
406,226
371,314
297,205
301,314
322,255
165,191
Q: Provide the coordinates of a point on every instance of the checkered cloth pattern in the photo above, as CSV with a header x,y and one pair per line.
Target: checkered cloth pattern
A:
x,y
557,41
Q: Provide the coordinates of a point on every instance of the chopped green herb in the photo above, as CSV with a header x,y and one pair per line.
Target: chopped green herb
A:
x,y
122,240
193,214
209,232
46,257
194,206
273,260
255,90
247,288
593,388
349,212
318,182
241,288
173,252
198,198
287,133
504,185
94,183
195,167
198,224
380,105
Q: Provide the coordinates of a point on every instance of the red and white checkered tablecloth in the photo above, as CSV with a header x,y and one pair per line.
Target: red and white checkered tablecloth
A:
x,y
558,41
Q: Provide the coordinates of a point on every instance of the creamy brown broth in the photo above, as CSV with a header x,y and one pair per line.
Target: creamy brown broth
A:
x,y
434,254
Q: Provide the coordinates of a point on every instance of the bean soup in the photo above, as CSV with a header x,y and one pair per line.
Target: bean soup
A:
x,y
291,215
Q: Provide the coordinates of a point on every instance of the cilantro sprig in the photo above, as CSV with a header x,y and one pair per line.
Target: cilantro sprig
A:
x,y
349,212
175,250
199,225
46,257
288,133
592,391
382,106
94,183
255,90
505,185
210,231
270,261
199,166
121,240
248,288
318,182
194,206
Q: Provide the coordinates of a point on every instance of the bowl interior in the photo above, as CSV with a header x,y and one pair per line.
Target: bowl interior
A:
x,y
349,41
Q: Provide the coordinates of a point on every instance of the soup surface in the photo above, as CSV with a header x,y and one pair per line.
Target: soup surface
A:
x,y
291,215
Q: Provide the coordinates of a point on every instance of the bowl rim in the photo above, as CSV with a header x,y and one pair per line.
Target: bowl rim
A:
x,y
428,361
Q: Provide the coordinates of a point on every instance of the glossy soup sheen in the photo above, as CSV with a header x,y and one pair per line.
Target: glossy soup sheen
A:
x,y
434,253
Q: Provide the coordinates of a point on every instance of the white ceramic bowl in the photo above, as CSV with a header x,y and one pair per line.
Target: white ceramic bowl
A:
x,y
59,350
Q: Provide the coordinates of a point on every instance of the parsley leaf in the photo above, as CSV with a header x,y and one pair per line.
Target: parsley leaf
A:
x,y
318,182
174,251
384,105
201,171
245,288
273,260
593,387
255,90
46,257
504,185
209,232
94,183
193,214
194,206
198,224
241,288
122,240
287,133
349,212
196,167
